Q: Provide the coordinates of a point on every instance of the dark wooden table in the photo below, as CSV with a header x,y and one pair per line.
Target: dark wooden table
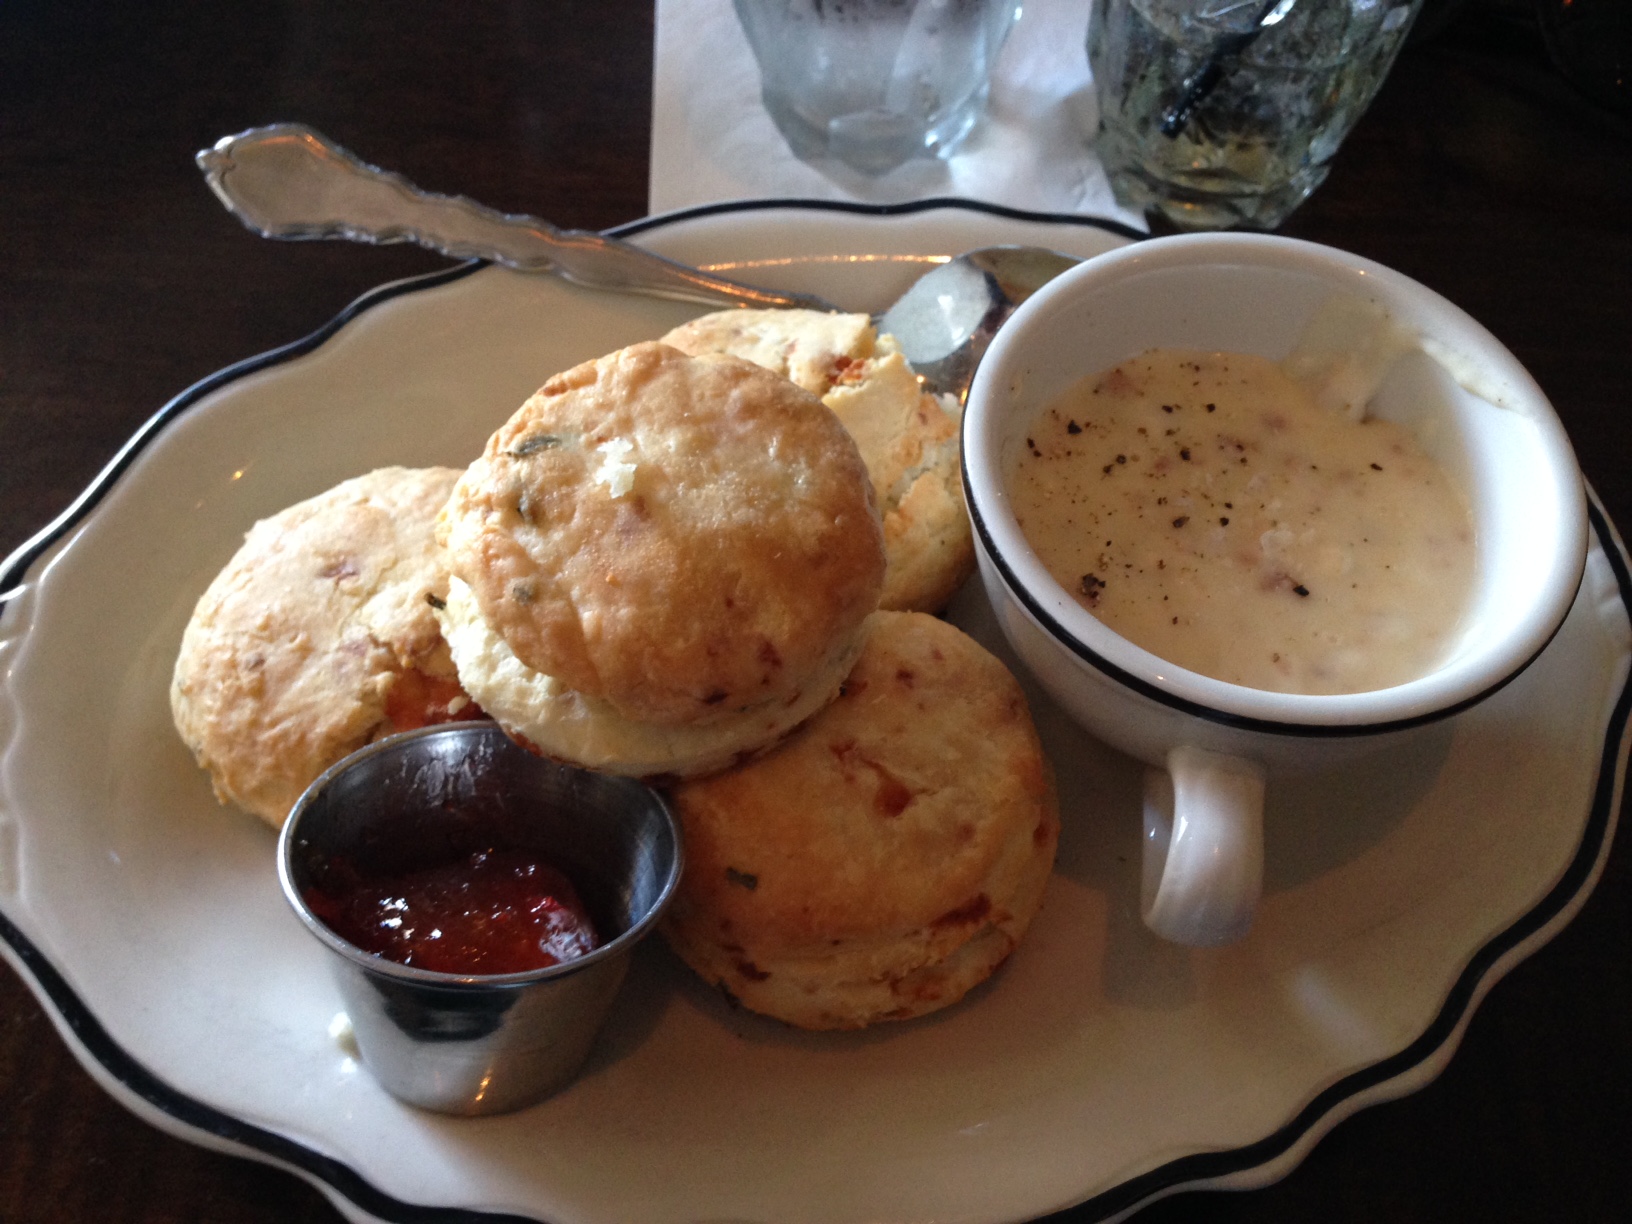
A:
x,y
1479,171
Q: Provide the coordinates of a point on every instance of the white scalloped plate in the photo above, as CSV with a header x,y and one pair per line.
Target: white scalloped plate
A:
x,y
1098,1066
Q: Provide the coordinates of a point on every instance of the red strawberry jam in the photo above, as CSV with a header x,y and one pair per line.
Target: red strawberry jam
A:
x,y
497,911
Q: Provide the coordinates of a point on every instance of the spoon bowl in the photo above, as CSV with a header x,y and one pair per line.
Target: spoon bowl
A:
x,y
946,320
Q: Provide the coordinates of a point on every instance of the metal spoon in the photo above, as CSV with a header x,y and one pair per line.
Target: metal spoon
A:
x,y
1228,48
288,181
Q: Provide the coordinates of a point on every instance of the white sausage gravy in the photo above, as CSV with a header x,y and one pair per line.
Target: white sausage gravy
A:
x,y
1204,507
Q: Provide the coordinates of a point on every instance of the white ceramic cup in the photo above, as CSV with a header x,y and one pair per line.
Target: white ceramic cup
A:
x,y
1214,746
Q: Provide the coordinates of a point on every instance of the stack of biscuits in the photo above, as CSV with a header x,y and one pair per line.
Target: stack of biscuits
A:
x,y
669,564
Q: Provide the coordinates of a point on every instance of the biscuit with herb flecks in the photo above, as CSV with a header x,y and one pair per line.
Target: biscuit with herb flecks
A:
x,y
886,858
661,563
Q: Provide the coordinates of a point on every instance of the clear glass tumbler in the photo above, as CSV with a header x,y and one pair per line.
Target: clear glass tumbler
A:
x,y
874,83
1222,114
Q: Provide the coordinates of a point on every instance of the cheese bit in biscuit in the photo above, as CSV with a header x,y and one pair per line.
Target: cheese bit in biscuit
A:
x,y
656,544
616,472
909,440
318,637
887,857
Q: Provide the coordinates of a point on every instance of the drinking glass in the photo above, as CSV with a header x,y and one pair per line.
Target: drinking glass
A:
x,y
874,83
1221,114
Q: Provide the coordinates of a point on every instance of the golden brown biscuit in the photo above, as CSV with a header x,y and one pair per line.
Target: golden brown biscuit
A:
x,y
887,857
680,541
318,638
907,439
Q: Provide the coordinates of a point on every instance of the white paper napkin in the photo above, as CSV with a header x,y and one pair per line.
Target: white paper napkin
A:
x,y
712,140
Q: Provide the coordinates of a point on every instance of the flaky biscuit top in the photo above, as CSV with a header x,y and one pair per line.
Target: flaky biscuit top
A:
x,y
682,538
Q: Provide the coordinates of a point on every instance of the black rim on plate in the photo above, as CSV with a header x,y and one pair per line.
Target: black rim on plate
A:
x,y
117,1064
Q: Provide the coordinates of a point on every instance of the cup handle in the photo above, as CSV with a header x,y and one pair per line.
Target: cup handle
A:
x,y
1203,846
